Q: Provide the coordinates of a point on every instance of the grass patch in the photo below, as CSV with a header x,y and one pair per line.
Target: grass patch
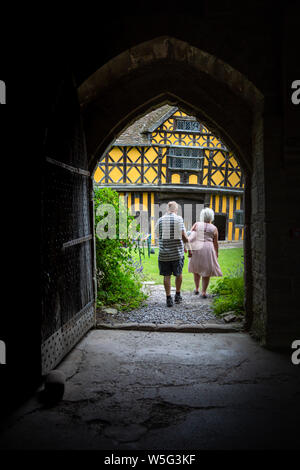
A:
x,y
230,259
229,289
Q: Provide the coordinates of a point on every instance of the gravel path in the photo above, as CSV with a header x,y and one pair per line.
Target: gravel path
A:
x,y
192,310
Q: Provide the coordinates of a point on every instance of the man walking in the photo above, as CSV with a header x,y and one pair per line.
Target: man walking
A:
x,y
171,234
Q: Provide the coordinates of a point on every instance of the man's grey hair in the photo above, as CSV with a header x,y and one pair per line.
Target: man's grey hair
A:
x,y
172,206
207,215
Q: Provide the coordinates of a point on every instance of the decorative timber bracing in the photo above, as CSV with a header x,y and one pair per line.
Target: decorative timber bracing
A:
x,y
169,155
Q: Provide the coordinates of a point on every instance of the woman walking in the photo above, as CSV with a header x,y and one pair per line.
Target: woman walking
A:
x,y
203,252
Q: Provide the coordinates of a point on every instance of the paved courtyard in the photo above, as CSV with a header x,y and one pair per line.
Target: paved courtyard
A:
x,y
159,391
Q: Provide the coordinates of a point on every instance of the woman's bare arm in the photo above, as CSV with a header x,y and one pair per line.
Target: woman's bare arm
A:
x,y
215,241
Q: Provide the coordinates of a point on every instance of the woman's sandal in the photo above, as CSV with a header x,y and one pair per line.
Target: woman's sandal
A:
x,y
204,296
196,292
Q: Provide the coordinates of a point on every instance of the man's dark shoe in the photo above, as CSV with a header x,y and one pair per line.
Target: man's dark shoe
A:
x,y
169,301
178,298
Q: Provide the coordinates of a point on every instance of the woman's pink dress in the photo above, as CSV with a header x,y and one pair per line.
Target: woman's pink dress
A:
x,y
204,260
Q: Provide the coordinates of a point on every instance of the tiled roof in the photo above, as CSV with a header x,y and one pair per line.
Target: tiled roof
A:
x,y
137,133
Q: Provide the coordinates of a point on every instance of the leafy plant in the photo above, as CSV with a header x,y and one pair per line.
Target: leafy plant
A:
x,y
118,278
230,292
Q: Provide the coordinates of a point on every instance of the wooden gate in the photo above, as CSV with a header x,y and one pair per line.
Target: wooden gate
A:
x,y
68,290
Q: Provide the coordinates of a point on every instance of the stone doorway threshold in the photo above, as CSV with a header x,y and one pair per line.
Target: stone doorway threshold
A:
x,y
184,328
193,315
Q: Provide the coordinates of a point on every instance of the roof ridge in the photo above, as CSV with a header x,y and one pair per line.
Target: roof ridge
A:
x,y
137,132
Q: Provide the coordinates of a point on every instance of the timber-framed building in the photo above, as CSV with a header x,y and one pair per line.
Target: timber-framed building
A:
x,y
169,155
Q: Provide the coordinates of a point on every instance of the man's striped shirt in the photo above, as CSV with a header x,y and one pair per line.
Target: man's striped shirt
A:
x,y
169,230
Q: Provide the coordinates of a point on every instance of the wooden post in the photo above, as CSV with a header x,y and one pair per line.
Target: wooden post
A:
x,y
159,164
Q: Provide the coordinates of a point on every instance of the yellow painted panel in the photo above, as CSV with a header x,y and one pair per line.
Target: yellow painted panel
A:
x,y
99,173
152,204
137,204
133,174
193,179
205,175
115,174
179,114
238,206
203,141
242,234
175,178
152,220
224,204
115,154
216,141
217,203
219,159
218,178
150,174
185,139
206,158
151,155
230,231
168,123
154,138
233,160
213,141
230,207
145,201
172,137
134,154
233,179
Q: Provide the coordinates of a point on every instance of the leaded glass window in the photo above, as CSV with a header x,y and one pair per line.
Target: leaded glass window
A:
x,y
238,217
187,125
185,158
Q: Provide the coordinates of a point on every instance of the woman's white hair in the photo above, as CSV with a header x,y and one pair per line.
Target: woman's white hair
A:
x,y
207,215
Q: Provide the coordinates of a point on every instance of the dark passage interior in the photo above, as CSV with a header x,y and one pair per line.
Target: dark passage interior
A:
x,y
220,222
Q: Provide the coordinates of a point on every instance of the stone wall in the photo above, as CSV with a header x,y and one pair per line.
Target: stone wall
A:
x,y
258,232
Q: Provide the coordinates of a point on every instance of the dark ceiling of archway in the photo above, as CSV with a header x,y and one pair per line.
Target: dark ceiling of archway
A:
x,y
222,29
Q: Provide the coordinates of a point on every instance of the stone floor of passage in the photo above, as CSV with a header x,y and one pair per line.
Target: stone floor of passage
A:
x,y
162,391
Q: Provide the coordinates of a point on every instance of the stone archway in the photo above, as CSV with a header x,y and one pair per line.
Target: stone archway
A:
x,y
167,70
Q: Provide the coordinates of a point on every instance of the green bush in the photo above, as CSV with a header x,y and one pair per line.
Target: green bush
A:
x,y
118,278
229,292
